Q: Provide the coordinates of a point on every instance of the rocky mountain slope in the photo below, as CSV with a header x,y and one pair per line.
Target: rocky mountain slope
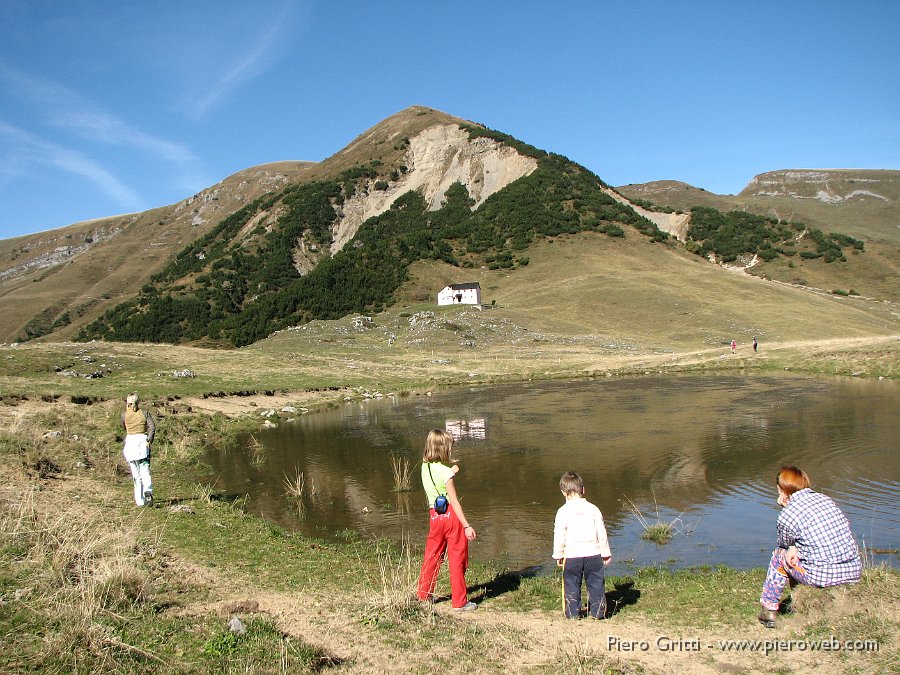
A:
x,y
85,268
436,158
61,280
284,243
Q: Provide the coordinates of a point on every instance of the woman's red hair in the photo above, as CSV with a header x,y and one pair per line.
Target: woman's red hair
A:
x,y
790,479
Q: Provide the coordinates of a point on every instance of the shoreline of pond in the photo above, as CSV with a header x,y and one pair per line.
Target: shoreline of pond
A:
x,y
681,556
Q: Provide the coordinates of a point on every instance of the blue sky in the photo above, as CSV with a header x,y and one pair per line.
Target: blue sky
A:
x,y
110,107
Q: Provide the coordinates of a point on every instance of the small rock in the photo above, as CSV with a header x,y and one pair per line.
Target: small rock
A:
x,y
180,508
237,626
53,434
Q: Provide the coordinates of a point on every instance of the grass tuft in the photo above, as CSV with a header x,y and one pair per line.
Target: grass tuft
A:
x,y
659,531
295,486
257,451
393,600
77,574
205,492
582,658
402,470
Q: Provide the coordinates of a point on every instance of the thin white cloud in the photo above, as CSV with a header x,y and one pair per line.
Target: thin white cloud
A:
x,y
69,110
100,126
38,151
261,56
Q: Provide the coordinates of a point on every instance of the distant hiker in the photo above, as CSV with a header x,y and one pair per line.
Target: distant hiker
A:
x,y
581,548
815,545
733,346
450,532
139,431
754,345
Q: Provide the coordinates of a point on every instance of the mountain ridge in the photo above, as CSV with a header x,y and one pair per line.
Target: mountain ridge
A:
x,y
831,199
418,149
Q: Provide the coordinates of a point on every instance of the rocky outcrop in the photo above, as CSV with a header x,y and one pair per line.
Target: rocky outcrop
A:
x,y
831,186
56,250
676,224
437,157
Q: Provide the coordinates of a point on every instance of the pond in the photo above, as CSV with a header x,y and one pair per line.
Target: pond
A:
x,y
701,452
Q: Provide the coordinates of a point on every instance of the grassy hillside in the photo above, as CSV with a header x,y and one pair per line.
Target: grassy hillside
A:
x,y
858,202
69,276
676,195
831,201
239,283
633,294
63,279
587,304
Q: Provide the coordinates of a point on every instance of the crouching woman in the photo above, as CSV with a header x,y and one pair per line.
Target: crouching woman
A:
x,y
815,545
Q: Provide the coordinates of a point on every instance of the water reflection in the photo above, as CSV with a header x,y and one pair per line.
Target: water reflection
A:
x,y
475,428
700,451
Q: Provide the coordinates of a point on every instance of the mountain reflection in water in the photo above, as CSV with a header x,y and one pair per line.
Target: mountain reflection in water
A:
x,y
700,451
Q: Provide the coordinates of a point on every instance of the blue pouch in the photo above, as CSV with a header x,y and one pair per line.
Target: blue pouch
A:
x,y
441,504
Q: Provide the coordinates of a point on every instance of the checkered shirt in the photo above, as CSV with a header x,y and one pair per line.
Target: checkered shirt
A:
x,y
820,531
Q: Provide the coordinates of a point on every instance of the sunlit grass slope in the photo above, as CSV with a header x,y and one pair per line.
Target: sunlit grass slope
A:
x,y
657,297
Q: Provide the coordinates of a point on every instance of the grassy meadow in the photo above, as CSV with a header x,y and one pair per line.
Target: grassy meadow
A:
x,y
89,583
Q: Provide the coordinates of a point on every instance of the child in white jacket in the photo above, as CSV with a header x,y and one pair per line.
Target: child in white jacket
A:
x,y
581,548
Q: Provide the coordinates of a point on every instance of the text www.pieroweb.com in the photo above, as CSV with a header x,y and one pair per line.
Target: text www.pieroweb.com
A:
x,y
665,643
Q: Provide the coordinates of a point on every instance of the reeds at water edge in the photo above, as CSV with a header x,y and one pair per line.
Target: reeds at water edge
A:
x,y
402,470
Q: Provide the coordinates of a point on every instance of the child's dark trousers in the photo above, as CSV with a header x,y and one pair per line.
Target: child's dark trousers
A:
x,y
589,569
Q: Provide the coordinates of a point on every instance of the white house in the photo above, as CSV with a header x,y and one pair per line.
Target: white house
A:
x,y
460,294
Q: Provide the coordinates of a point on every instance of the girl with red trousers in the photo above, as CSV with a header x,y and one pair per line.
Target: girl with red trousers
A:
x,y
450,531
